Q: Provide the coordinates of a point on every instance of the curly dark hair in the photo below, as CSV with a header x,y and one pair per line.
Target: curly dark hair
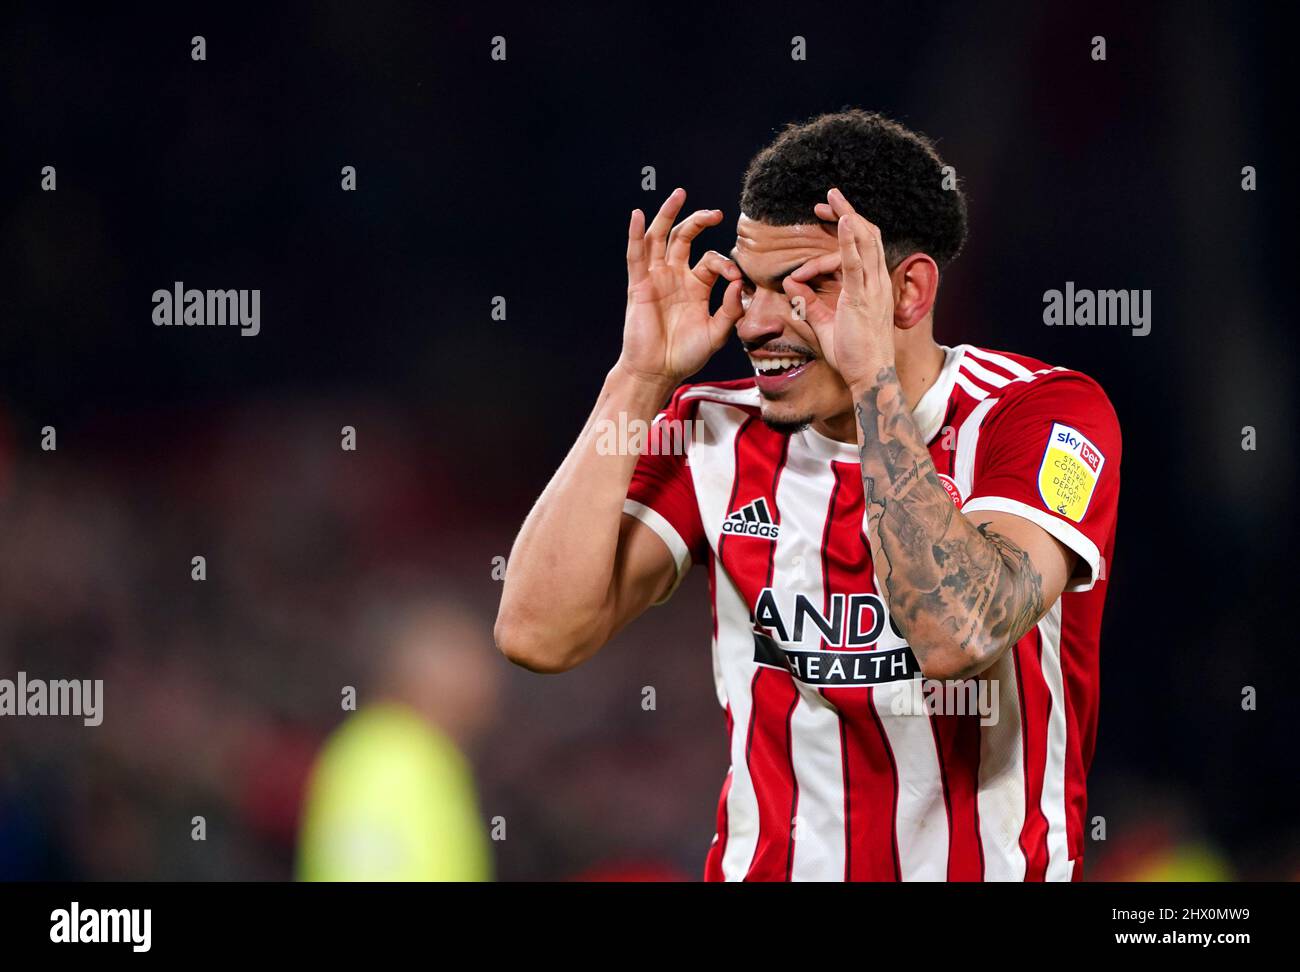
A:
x,y
891,174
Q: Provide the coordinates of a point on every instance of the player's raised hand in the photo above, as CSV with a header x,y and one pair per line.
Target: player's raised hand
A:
x,y
857,335
668,332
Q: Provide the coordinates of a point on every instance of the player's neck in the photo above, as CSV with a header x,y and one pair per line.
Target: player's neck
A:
x,y
917,364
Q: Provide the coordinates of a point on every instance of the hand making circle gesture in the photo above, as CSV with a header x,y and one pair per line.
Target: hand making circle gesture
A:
x,y
857,334
668,332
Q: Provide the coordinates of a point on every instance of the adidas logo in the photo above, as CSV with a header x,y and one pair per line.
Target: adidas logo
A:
x,y
752,520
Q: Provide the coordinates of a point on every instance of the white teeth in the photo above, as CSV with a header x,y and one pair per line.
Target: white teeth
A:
x,y
776,364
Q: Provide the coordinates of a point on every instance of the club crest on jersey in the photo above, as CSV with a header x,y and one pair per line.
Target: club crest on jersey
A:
x,y
950,487
752,520
1069,472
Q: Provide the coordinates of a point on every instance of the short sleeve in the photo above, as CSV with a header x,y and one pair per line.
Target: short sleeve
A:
x,y
1052,455
662,494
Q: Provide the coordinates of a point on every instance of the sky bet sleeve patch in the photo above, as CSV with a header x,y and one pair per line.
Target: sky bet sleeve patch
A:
x,y
1069,472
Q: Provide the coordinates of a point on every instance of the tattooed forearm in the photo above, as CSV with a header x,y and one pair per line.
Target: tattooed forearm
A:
x,y
960,593
1023,603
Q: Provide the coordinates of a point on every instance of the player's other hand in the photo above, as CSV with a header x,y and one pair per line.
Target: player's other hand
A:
x,y
856,333
668,332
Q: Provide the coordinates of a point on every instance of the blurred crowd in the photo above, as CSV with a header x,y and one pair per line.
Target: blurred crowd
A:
x,y
218,693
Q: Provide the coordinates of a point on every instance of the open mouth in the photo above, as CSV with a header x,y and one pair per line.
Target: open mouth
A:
x,y
773,373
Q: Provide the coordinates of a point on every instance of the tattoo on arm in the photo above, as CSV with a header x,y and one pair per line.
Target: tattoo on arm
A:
x,y
949,582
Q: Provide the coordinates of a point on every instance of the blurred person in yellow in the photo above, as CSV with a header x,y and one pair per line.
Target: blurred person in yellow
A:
x,y
391,796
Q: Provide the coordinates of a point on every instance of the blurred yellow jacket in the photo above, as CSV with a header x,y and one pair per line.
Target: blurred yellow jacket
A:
x,y
391,798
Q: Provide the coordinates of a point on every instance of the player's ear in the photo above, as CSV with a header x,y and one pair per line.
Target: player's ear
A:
x,y
916,283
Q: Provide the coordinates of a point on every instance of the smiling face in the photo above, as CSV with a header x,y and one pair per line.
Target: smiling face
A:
x,y
796,386
895,178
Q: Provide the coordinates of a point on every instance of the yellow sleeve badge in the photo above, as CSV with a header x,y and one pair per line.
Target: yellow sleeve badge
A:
x,y
1069,473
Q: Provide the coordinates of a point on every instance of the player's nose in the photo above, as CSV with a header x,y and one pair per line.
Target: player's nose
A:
x,y
767,317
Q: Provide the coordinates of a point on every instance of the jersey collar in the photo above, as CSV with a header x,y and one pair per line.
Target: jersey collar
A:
x,y
930,410
928,413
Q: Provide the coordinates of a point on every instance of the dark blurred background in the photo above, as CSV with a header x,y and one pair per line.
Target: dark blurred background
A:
x,y
479,178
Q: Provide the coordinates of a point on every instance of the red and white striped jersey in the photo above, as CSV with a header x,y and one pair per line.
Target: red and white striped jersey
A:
x,y
839,768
